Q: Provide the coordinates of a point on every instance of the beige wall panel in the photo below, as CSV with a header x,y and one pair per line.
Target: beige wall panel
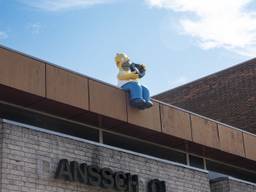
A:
x,y
22,72
175,122
231,140
250,144
67,87
107,100
204,132
148,118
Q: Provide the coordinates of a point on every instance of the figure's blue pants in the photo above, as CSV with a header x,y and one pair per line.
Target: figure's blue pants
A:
x,y
136,91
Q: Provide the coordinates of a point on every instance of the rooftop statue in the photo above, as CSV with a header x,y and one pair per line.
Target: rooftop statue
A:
x,y
128,76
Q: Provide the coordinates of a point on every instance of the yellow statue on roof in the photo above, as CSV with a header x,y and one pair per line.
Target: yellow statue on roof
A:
x,y
128,76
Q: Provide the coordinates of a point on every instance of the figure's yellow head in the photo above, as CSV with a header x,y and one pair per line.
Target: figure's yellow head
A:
x,y
120,59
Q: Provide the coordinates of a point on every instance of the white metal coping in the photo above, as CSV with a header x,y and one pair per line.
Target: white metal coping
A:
x,y
242,181
100,144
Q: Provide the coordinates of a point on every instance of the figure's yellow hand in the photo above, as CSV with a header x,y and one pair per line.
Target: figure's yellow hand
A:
x,y
134,76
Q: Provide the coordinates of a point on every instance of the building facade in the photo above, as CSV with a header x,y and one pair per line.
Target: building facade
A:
x,y
62,131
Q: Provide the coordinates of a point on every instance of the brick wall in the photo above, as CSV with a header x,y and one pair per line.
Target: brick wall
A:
x,y
220,185
236,186
231,185
228,96
29,160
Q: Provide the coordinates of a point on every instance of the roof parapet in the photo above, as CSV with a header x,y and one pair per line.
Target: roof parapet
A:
x,y
37,84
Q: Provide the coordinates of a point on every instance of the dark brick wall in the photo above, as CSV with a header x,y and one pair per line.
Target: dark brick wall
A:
x,y
228,96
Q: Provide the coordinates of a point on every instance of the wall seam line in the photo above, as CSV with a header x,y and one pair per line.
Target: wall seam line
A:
x,y
244,146
45,80
218,132
160,114
191,129
126,106
89,97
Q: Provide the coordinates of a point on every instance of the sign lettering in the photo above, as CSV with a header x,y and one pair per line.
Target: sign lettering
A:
x,y
104,177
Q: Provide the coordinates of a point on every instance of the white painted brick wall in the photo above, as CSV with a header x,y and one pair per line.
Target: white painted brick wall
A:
x,y
29,159
231,185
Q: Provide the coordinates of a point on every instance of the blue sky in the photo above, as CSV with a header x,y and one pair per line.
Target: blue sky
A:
x,y
178,40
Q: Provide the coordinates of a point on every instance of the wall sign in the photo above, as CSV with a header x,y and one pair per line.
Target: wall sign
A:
x,y
104,177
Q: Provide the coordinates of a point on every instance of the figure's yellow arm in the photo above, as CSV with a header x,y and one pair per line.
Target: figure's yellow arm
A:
x,y
128,76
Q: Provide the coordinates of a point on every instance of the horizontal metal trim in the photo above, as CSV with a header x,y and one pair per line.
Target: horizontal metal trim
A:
x,y
101,145
242,181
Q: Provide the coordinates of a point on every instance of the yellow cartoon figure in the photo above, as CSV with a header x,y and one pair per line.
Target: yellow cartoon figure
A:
x,y
128,76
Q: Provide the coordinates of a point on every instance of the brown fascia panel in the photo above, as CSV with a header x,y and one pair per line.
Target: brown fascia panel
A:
x,y
249,145
205,132
24,81
107,100
66,87
149,118
175,122
22,73
231,140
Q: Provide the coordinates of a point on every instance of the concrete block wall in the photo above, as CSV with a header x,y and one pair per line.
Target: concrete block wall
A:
x,y
231,185
220,185
237,186
29,159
